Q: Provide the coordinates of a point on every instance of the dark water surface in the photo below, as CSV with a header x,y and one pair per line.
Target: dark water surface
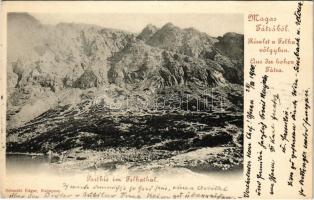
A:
x,y
25,163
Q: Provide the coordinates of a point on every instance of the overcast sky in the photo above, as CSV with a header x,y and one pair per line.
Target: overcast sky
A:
x,y
212,24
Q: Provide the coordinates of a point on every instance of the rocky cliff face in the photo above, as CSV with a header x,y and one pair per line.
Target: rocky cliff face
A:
x,y
147,32
231,48
61,53
68,74
188,41
45,61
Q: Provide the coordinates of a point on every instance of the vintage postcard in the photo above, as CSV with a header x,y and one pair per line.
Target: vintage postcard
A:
x,y
156,99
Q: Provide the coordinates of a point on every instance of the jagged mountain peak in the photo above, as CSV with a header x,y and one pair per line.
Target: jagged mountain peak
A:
x,y
232,44
150,26
147,32
169,25
188,41
232,34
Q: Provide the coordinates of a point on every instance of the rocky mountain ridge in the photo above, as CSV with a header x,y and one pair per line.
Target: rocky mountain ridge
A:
x,y
85,86
48,60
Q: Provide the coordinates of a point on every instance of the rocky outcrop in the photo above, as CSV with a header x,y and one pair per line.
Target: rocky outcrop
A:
x,y
87,80
147,32
155,68
231,47
188,42
63,51
57,58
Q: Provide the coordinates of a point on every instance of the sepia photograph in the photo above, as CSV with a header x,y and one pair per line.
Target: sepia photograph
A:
x,y
136,92
156,99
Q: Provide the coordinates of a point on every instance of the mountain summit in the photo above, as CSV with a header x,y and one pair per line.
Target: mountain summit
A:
x,y
147,32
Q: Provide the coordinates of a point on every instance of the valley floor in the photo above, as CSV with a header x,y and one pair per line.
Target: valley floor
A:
x,y
200,142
